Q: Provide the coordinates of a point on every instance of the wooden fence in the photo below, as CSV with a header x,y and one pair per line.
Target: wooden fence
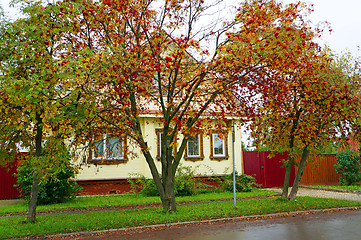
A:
x,y
320,170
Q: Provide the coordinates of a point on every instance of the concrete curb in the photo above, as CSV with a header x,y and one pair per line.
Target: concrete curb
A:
x,y
243,218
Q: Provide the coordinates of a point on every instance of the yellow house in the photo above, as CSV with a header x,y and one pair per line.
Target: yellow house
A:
x,y
106,170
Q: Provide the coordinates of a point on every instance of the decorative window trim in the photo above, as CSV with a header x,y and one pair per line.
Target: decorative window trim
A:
x,y
195,158
158,132
110,161
225,141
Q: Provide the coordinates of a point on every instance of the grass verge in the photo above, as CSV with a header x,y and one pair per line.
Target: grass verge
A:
x,y
128,200
65,223
349,188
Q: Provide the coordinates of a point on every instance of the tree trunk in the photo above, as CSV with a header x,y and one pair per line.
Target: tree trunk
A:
x,y
286,182
168,185
164,182
165,187
169,168
35,186
33,198
299,173
290,159
168,199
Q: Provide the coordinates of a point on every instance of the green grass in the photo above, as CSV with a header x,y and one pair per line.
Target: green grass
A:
x,y
350,188
129,199
52,224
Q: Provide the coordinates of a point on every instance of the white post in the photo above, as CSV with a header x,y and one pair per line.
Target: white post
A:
x,y
234,167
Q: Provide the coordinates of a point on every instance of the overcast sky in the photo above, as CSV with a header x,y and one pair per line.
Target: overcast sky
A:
x,y
344,17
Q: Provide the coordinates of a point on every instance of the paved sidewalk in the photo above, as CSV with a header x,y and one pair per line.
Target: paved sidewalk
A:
x,y
324,194
10,202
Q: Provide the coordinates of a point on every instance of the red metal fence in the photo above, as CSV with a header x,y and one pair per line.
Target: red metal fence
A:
x,y
7,181
267,171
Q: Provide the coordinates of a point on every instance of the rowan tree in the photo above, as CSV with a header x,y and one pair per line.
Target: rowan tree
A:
x,y
312,119
142,56
349,67
301,109
296,102
35,99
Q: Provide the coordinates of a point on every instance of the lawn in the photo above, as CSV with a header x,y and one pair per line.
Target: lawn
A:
x,y
129,200
12,227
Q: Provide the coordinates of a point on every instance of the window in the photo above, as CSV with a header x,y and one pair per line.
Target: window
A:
x,y
194,148
109,149
218,145
159,133
219,149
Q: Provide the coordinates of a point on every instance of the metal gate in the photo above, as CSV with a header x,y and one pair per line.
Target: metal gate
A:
x,y
7,181
267,171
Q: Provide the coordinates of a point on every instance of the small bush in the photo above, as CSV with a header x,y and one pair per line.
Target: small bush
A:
x,y
55,182
244,183
185,183
348,165
148,188
55,189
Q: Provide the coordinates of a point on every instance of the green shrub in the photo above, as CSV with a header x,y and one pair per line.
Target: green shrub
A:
x,y
55,180
348,165
54,189
148,188
244,183
142,185
51,190
185,183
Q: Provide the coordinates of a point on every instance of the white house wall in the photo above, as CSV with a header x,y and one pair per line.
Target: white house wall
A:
x,y
138,165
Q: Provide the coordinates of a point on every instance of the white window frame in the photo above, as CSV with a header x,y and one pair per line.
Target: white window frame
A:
x,y
105,150
199,148
214,135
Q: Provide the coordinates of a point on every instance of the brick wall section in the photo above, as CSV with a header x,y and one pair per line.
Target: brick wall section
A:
x,y
118,186
103,187
211,181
